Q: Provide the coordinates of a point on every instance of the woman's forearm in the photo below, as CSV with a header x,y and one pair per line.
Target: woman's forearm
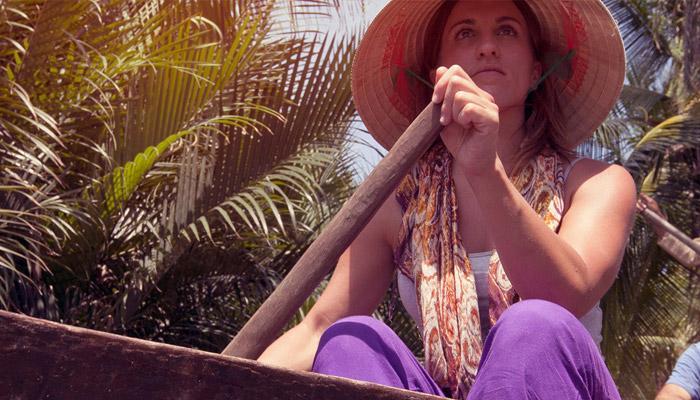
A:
x,y
295,349
673,392
539,263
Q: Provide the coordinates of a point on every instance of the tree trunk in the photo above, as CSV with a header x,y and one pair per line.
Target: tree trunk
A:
x,y
691,40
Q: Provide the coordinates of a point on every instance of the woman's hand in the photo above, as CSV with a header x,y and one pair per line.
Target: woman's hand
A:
x,y
470,117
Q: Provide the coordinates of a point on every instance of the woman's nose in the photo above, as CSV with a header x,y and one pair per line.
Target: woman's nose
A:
x,y
483,53
488,47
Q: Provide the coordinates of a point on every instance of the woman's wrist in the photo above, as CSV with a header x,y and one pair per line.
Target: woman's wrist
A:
x,y
488,170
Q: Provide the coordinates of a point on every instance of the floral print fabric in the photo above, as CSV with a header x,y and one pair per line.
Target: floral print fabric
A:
x,y
430,252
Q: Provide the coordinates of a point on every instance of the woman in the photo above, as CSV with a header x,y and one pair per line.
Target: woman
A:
x,y
501,238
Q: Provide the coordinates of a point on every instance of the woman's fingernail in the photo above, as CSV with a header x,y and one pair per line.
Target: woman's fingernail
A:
x,y
434,98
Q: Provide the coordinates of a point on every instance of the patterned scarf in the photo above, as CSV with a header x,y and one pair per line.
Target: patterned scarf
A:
x,y
430,251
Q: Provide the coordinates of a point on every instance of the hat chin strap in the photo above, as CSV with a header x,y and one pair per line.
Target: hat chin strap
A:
x,y
568,56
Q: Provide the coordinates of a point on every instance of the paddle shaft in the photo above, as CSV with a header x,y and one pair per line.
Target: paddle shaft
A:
x,y
672,230
266,324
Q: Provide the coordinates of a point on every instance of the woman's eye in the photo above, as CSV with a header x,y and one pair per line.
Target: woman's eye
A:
x,y
465,33
507,30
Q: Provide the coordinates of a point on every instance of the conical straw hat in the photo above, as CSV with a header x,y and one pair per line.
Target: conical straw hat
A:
x,y
386,91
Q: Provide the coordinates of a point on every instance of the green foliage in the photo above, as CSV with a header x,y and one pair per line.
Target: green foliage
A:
x,y
651,312
165,162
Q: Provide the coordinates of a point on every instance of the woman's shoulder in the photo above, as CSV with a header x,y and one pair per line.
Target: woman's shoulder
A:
x,y
576,168
590,176
584,168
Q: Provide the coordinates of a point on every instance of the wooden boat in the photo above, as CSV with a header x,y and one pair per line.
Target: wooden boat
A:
x,y
41,359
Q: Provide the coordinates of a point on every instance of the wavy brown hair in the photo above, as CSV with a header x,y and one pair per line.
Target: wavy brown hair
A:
x,y
544,123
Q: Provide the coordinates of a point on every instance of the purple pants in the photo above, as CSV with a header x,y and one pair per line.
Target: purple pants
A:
x,y
536,350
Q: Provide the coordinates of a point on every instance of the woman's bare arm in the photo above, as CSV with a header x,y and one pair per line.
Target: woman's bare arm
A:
x,y
575,267
673,392
360,280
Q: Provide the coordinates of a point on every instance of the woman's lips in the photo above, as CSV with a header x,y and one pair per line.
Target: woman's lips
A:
x,y
490,71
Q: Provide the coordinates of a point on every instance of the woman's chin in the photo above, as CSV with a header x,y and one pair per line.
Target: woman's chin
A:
x,y
503,97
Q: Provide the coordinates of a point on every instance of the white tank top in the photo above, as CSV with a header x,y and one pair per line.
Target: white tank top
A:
x,y
592,320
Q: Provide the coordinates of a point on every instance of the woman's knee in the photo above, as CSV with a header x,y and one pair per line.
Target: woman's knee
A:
x,y
357,341
536,317
358,330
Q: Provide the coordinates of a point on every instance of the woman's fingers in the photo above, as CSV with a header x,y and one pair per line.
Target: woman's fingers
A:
x,y
453,85
484,120
465,104
444,92
450,83
456,80
438,76
440,84
443,77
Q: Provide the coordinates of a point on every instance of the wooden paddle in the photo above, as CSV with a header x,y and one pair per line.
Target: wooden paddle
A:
x,y
661,222
675,242
265,325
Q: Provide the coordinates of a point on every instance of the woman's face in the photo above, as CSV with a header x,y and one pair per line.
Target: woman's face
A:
x,y
491,42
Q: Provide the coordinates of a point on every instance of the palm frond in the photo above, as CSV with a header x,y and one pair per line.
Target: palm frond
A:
x,y
128,123
239,256
647,37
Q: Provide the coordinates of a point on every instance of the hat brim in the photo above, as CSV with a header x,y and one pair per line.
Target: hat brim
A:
x,y
385,93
